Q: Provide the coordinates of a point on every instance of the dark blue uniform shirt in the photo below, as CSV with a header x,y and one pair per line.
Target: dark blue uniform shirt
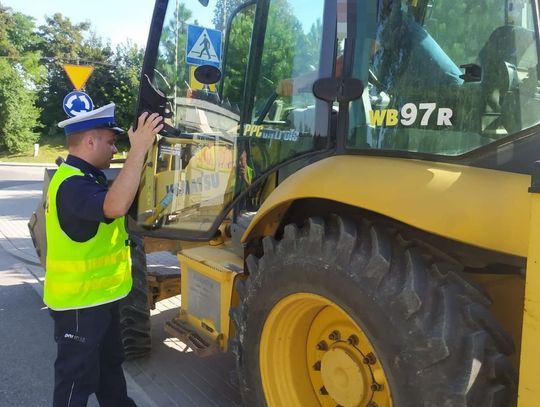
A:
x,y
80,201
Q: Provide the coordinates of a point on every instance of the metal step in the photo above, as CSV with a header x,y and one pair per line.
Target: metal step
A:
x,y
201,345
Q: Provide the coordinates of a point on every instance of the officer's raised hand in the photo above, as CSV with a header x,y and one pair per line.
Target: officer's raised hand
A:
x,y
147,128
122,192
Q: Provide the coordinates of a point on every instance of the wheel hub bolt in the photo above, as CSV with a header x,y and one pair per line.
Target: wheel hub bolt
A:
x,y
317,365
376,386
353,340
322,345
335,336
370,359
323,391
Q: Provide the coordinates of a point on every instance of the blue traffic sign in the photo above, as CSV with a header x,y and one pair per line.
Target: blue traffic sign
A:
x,y
203,46
76,103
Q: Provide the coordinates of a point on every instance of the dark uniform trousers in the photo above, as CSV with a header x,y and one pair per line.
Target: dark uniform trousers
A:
x,y
90,356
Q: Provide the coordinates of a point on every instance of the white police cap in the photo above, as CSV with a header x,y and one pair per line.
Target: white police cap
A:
x,y
102,117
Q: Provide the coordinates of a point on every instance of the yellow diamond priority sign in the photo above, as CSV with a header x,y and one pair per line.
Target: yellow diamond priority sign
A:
x,y
78,74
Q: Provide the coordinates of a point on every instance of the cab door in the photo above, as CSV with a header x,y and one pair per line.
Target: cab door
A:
x,y
228,121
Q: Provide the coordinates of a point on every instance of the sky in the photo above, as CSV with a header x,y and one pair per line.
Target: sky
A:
x,y
119,20
113,20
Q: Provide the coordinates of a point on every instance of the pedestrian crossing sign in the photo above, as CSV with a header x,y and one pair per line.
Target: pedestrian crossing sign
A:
x,y
203,46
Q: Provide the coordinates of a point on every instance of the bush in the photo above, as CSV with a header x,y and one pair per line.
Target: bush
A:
x,y
19,115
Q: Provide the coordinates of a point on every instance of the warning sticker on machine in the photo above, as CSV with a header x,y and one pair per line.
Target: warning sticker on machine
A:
x,y
174,150
204,297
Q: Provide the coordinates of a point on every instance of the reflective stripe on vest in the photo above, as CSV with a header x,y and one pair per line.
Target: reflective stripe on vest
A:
x,y
83,274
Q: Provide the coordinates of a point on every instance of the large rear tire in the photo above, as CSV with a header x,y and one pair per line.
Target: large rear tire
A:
x,y
345,313
134,309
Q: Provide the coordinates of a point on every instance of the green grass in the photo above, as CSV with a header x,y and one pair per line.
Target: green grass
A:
x,y
48,152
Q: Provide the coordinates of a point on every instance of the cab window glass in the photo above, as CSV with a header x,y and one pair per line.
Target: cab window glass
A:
x,y
189,176
443,77
282,123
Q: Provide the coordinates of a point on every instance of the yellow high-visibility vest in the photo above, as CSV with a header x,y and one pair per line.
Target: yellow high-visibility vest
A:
x,y
83,274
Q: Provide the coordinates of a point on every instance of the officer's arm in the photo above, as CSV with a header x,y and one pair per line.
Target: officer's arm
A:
x,y
122,192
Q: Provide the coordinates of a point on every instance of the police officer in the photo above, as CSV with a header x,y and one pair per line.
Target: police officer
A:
x,y
88,265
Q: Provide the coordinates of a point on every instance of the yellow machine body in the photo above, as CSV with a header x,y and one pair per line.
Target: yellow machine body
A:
x,y
529,391
416,166
208,275
483,208
455,202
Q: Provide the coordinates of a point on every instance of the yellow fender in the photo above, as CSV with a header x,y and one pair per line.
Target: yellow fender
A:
x,y
481,207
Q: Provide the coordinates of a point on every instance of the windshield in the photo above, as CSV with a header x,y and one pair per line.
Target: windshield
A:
x,y
444,77
235,111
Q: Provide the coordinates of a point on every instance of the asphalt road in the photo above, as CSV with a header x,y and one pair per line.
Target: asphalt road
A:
x,y
27,350
20,173
172,375
26,346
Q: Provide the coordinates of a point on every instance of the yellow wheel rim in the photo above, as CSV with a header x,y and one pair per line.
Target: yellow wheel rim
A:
x,y
313,354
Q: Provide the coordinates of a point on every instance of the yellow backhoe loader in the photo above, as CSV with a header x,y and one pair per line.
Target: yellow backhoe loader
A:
x,y
352,191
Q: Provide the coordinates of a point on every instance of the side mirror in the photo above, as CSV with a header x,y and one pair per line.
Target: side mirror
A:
x,y
207,74
337,89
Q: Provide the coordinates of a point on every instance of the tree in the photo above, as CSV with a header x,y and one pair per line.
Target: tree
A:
x,y
31,72
309,48
101,83
19,114
462,27
125,76
170,73
223,11
284,50
19,43
20,74
62,43
115,77
237,56
288,51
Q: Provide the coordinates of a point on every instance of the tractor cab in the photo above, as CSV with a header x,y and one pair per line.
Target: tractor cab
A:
x,y
235,122
254,91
